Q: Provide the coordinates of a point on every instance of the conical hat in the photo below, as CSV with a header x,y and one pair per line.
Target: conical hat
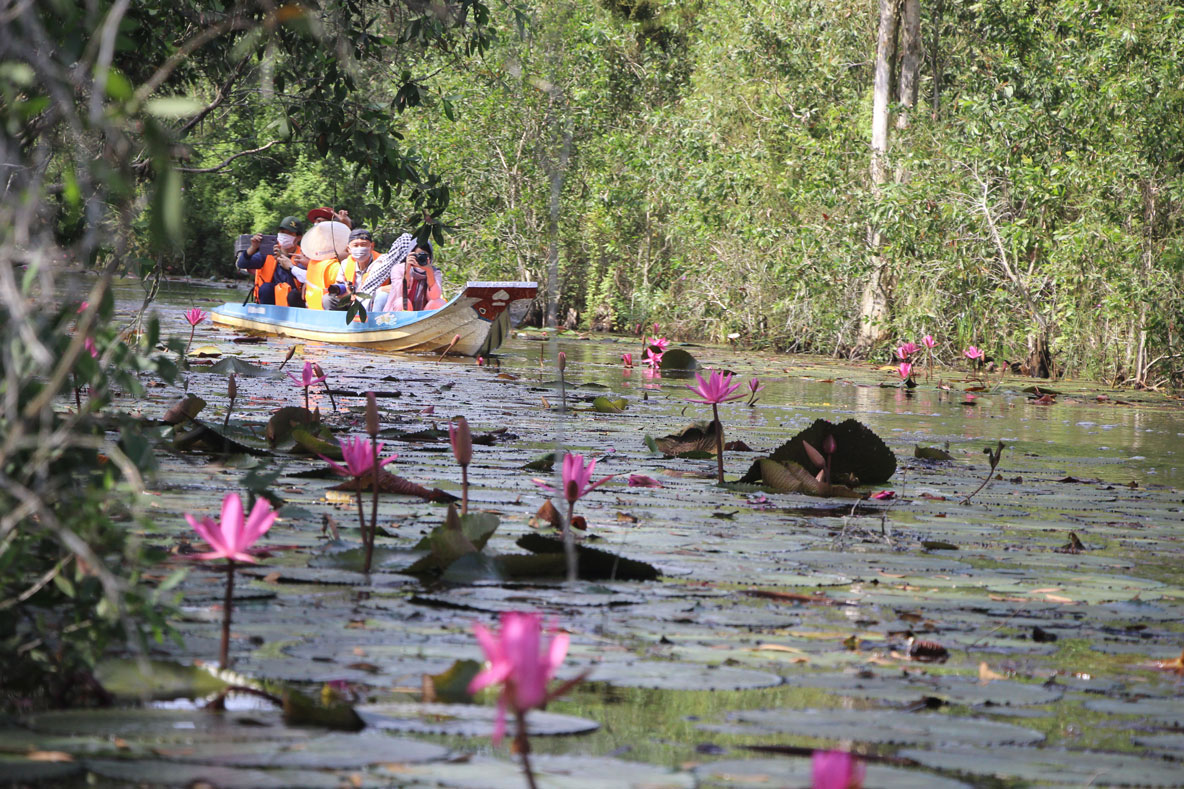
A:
x,y
326,240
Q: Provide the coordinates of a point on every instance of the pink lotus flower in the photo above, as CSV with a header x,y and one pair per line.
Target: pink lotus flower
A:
x,y
884,494
837,770
358,456
627,359
754,386
972,353
642,481
308,377
231,538
522,662
90,346
903,352
462,449
906,370
717,389
651,358
576,477
660,343
928,341
195,316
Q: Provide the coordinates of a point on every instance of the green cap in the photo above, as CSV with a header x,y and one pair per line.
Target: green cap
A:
x,y
291,225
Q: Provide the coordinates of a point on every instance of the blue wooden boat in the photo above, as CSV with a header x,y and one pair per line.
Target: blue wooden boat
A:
x,y
479,315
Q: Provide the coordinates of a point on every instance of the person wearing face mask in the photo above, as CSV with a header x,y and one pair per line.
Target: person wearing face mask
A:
x,y
279,275
416,282
350,272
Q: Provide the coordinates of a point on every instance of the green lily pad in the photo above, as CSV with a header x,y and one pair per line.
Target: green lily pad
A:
x,y
129,678
551,772
233,364
21,771
153,772
607,405
885,726
799,773
1052,765
331,751
466,720
166,725
677,360
951,688
680,676
859,453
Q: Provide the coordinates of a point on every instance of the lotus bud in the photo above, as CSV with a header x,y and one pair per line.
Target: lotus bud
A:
x,y
371,415
231,387
828,444
462,441
562,361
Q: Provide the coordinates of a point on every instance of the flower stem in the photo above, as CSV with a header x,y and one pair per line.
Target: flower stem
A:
x,y
306,408
569,545
362,525
374,504
224,655
562,392
719,444
192,331
464,490
522,742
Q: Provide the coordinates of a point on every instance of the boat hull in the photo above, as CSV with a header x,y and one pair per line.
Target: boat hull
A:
x,y
479,316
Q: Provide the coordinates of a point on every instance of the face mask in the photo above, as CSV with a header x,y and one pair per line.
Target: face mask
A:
x,y
358,253
285,241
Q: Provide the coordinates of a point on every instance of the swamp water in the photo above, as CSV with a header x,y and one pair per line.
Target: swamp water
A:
x,y
780,622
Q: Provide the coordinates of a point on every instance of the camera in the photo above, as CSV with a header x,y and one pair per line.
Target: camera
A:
x,y
338,289
422,258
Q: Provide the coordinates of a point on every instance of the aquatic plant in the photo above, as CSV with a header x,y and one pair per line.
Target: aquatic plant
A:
x,y
319,373
654,360
194,316
372,431
993,458
905,352
929,344
361,460
231,394
523,663
976,357
627,360
754,386
717,389
906,372
642,481
462,449
562,382
577,483
308,378
836,770
230,539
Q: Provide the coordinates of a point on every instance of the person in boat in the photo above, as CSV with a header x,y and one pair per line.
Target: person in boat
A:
x,y
327,214
279,275
352,271
416,282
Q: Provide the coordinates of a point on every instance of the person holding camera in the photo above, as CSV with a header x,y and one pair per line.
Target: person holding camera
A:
x,y
279,274
416,282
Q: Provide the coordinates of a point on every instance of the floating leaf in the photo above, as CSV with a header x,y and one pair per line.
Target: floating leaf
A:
x,y
789,477
235,365
677,360
931,453
452,686
594,563
466,720
185,409
885,726
131,678
666,675
605,405
284,420
393,483
1051,765
860,455
300,710
696,440
800,772
543,463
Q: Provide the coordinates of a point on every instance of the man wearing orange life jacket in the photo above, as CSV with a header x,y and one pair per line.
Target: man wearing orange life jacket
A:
x,y
352,272
277,275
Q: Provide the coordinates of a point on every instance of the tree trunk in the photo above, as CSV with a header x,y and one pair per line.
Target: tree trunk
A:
x,y
873,308
910,59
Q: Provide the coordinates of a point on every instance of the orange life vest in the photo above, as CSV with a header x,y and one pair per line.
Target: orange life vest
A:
x,y
322,274
282,289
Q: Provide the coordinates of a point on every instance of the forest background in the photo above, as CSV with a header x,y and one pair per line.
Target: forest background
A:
x,y
710,164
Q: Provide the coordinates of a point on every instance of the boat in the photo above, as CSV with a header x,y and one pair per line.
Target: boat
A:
x,y
479,317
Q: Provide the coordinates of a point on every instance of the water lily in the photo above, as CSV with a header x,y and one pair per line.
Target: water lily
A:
x,y
929,342
462,449
837,770
906,371
577,483
90,347
307,379
654,360
905,351
523,662
361,457
194,316
754,386
230,538
627,359
660,344
642,481
972,353
718,388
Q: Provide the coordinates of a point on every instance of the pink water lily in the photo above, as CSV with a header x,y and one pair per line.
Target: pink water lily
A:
x,y
522,662
906,370
577,483
661,343
308,377
884,494
642,481
654,360
929,342
230,538
972,353
754,386
836,770
195,316
90,347
358,456
718,388
903,352
627,359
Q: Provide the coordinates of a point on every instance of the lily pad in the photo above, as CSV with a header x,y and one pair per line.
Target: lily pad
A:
x,y
677,360
244,369
165,725
680,676
331,751
466,720
859,453
949,688
551,772
607,405
798,774
129,678
885,726
1052,765
151,772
